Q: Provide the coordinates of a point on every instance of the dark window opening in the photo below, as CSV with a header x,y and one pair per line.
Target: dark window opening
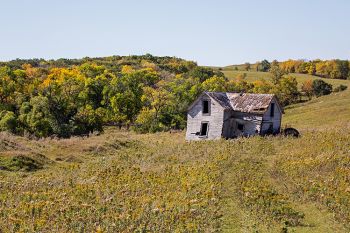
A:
x,y
240,127
204,129
205,107
272,112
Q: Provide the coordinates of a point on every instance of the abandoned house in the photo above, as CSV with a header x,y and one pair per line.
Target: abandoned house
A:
x,y
229,115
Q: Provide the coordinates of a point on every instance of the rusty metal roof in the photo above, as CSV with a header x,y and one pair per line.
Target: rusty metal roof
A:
x,y
221,98
243,102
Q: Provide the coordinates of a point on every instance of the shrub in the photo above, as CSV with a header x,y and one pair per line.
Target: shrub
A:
x,y
88,120
340,88
8,121
19,162
320,87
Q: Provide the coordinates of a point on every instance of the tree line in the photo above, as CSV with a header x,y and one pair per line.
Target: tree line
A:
x,y
68,97
334,69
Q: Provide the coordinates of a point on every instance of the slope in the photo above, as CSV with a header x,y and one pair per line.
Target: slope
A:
x,y
122,181
323,113
252,76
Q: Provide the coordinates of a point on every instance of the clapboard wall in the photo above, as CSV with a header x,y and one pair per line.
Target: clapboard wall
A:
x,y
275,120
195,117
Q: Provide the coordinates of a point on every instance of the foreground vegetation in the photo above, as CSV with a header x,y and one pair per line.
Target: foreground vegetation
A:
x,y
123,181
161,183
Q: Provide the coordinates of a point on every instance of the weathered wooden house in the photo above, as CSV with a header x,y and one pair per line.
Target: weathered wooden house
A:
x,y
217,115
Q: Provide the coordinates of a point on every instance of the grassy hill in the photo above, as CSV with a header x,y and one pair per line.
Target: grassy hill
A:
x,y
323,113
123,181
254,75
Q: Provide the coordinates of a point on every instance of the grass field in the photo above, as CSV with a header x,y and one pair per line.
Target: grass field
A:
x,y
252,76
121,181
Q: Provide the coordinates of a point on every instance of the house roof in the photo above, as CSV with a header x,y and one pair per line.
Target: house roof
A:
x,y
221,98
243,102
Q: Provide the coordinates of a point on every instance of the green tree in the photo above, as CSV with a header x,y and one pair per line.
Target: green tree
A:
x,y
276,73
320,87
240,84
145,121
7,85
88,120
343,67
185,91
262,86
202,73
311,68
157,98
94,88
157,104
125,96
36,117
215,83
62,88
91,70
8,121
265,65
287,90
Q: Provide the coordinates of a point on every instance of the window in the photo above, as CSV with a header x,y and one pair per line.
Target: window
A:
x,y
240,127
272,110
204,129
206,109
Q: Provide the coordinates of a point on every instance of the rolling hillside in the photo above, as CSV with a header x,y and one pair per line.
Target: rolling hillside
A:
x,y
323,113
123,181
320,113
253,76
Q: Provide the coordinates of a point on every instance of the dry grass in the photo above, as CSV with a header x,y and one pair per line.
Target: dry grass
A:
x,y
253,76
125,182
325,113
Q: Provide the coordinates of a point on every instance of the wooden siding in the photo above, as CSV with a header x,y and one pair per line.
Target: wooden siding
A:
x,y
275,120
251,123
195,117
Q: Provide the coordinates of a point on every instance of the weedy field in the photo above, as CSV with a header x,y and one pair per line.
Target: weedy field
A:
x,y
121,181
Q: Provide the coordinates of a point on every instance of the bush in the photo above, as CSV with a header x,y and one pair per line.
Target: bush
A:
x,y
19,162
340,88
146,122
320,87
8,121
36,116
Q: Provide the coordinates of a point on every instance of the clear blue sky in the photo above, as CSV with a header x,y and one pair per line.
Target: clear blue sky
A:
x,y
211,32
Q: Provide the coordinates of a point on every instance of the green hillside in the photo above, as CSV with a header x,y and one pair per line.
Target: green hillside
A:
x,y
254,75
121,181
323,113
320,113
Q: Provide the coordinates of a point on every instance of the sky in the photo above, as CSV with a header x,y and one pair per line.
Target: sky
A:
x,y
210,32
